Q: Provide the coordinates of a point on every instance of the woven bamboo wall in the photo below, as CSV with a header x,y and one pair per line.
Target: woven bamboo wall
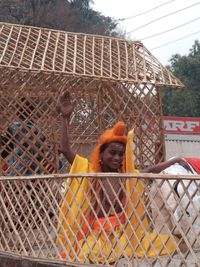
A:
x,y
29,222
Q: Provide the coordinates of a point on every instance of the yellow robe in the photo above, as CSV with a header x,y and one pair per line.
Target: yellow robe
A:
x,y
135,240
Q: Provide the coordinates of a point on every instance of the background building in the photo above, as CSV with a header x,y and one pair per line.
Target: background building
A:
x,y
182,136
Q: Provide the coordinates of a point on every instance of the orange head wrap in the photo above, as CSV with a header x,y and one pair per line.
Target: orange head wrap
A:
x,y
115,134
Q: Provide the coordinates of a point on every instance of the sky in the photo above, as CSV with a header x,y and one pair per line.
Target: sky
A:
x,y
139,26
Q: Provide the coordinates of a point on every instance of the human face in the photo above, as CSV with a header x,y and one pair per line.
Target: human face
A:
x,y
112,157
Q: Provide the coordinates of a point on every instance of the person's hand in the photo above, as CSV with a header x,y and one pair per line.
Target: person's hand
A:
x,y
66,106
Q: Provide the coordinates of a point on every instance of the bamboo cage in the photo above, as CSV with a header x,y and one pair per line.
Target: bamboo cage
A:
x,y
109,79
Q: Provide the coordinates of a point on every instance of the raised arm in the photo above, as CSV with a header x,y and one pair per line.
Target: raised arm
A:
x,y
163,165
66,108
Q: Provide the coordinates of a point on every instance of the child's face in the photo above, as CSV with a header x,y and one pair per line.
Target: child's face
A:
x,y
112,157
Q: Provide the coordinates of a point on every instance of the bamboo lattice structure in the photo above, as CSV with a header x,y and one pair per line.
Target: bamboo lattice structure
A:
x,y
109,80
33,234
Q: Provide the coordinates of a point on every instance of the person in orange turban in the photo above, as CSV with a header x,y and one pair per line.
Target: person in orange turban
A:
x,y
104,219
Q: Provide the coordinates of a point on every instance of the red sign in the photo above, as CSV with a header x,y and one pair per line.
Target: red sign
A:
x,y
181,125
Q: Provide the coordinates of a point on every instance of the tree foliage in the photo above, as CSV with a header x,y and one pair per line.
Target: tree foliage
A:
x,y
184,102
67,15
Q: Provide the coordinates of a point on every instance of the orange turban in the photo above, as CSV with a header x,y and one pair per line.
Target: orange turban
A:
x,y
115,134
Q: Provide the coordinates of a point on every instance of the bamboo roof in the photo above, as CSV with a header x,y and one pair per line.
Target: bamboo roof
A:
x,y
42,51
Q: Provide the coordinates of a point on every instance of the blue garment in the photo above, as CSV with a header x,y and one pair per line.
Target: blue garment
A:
x,y
26,142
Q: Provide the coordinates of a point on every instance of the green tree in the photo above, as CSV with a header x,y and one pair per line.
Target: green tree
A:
x,y
67,15
184,102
